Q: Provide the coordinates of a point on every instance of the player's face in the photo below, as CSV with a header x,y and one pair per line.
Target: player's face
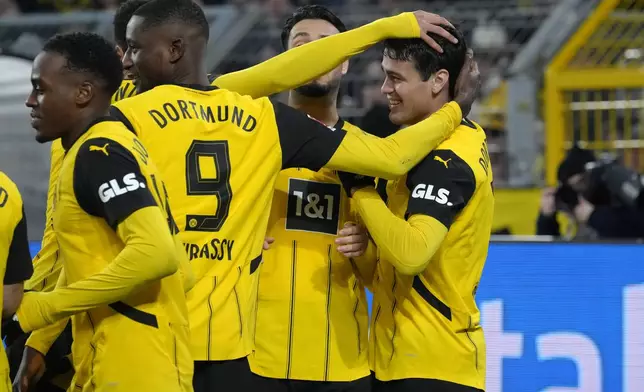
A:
x,y
148,58
407,93
53,97
310,30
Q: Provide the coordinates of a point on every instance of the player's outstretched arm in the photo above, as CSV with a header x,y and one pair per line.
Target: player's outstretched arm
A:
x,y
149,254
411,244
312,60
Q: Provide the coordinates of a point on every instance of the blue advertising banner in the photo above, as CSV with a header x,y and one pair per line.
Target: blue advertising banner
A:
x,y
563,317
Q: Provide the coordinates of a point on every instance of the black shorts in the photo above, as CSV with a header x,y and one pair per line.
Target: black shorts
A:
x,y
223,376
280,385
419,385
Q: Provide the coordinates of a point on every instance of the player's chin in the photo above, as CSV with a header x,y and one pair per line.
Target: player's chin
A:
x,y
43,137
398,116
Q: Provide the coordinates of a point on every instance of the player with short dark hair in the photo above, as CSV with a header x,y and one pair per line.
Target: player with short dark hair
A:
x,y
122,16
15,260
312,317
113,225
221,153
432,235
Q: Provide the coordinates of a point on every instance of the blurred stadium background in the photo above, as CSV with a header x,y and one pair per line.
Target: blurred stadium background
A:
x,y
555,72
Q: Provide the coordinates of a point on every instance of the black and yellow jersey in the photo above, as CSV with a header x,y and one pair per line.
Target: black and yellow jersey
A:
x,y
312,317
15,261
220,153
47,264
428,325
107,196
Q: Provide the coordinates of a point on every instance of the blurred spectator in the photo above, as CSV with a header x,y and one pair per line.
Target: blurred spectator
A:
x,y
588,202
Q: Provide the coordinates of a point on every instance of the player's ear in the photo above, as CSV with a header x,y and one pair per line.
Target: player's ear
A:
x,y
177,50
84,94
345,67
119,51
440,81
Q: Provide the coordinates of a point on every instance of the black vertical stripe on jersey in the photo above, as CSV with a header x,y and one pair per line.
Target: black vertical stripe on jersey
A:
x,y
291,312
431,299
476,349
210,318
304,141
393,316
19,267
176,358
239,311
356,305
327,343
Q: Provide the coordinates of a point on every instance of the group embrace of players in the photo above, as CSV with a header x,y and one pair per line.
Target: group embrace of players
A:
x,y
200,237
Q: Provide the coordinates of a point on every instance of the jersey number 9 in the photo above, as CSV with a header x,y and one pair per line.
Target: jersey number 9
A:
x,y
214,153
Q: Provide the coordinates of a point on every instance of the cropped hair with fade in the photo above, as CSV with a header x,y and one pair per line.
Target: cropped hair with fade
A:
x,y
122,17
160,12
89,53
426,60
310,12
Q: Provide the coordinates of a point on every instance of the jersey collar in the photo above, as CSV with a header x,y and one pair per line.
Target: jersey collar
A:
x,y
97,120
197,87
468,123
339,124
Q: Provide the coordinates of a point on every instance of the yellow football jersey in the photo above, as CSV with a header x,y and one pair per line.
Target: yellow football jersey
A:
x,y
47,264
15,261
312,317
106,176
220,153
428,325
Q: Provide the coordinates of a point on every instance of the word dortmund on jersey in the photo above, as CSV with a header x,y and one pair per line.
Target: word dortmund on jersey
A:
x,y
221,153
46,263
428,325
312,318
105,178
15,261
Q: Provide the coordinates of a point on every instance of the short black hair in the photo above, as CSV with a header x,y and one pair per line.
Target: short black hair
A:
x,y
122,17
426,60
89,53
310,12
159,12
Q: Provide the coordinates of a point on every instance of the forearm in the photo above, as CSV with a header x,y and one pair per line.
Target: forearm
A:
x,y
149,254
395,155
407,245
42,339
312,60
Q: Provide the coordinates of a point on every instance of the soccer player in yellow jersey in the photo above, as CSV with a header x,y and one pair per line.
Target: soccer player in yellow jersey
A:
x,y
312,324
221,153
433,237
47,263
114,229
15,261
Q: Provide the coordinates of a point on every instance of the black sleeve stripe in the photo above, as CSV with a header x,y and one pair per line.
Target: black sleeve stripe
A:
x,y
305,142
19,266
108,181
118,114
440,186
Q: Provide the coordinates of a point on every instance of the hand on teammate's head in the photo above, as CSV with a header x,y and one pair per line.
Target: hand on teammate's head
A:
x,y
433,23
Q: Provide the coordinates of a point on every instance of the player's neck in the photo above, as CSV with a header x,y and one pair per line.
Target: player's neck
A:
x,y
433,105
81,125
193,76
323,109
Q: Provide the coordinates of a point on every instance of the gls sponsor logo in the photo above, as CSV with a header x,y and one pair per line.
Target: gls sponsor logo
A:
x,y
112,188
426,192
